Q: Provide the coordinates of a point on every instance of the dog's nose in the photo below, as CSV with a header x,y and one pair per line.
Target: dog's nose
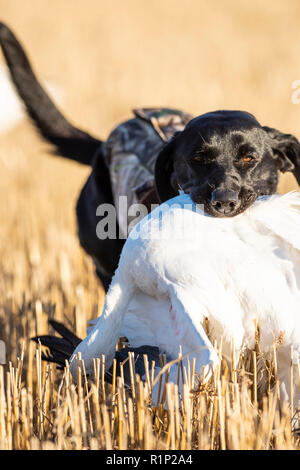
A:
x,y
224,201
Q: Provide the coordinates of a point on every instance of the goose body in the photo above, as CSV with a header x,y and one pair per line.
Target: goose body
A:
x,y
180,266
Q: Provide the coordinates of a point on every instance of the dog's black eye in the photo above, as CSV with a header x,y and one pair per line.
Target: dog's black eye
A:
x,y
246,158
203,158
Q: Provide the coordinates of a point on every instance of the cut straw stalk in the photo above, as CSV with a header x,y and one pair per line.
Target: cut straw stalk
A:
x,y
225,412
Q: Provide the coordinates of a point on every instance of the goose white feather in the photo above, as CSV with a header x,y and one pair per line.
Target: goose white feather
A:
x,y
180,265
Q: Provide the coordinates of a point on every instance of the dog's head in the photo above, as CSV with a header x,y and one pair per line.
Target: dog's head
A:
x,y
225,160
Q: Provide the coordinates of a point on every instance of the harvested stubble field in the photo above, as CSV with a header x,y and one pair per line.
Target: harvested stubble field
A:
x,y
109,57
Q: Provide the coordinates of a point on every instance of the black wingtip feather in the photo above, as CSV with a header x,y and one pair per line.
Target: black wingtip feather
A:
x,y
60,349
65,332
55,344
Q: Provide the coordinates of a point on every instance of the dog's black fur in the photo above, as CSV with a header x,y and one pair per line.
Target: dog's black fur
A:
x,y
223,159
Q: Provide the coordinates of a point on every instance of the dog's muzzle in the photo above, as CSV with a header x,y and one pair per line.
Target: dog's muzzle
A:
x,y
225,202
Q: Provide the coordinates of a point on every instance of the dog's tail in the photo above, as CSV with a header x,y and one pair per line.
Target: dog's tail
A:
x,y
68,141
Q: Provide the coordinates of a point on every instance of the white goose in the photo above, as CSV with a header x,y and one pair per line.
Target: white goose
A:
x,y
180,265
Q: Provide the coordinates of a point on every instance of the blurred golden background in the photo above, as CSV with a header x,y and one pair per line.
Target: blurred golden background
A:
x,y
109,57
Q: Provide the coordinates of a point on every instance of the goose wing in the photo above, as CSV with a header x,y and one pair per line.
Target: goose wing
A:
x,y
284,229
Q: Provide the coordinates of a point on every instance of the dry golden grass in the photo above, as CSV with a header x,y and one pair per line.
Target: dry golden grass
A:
x,y
41,408
110,57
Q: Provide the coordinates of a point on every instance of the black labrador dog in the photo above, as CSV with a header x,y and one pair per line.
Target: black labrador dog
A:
x,y
223,159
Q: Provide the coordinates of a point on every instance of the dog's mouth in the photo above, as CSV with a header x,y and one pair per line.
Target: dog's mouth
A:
x,y
245,200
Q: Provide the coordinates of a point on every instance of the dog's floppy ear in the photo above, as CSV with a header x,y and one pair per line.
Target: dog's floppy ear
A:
x,y
286,149
164,171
